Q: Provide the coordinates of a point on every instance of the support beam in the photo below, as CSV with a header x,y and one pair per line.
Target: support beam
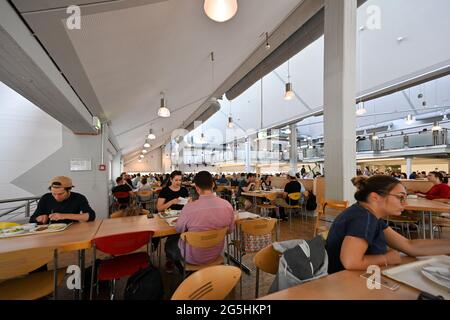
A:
x,y
339,98
293,152
408,166
248,159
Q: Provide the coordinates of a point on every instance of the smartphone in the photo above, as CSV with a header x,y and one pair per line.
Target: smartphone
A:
x,y
385,282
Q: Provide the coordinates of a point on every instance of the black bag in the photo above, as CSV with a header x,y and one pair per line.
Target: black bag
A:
x,y
311,204
146,284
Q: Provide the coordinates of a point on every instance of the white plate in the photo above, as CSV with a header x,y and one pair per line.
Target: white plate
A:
x,y
12,231
438,275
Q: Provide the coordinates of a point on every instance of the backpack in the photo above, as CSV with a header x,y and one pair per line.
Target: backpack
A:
x,y
311,203
146,284
301,261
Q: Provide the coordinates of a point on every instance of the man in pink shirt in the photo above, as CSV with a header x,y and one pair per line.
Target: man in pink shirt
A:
x,y
209,212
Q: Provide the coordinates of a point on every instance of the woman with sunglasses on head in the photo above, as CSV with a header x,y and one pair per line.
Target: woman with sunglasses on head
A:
x,y
359,237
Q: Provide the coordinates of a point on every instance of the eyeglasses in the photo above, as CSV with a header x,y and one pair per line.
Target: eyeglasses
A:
x,y
400,197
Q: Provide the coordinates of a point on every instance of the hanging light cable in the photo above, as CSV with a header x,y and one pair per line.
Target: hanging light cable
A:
x,y
163,111
288,92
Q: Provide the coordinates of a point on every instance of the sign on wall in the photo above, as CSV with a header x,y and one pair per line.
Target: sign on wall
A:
x,y
81,164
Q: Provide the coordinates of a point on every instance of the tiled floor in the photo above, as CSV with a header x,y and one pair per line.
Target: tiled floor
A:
x,y
298,229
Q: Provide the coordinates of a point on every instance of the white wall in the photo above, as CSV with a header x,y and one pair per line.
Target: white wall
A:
x,y
37,147
152,162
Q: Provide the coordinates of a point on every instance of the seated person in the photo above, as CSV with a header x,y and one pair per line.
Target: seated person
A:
x,y
168,196
246,185
62,205
440,188
234,180
266,183
207,213
359,237
122,186
293,186
223,181
168,199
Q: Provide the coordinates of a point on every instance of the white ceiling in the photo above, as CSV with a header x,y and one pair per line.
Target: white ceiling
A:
x,y
128,51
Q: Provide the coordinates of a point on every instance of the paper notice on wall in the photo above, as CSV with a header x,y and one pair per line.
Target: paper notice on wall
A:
x,y
80,164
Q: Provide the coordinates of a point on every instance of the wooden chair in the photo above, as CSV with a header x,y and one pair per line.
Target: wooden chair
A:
x,y
119,214
292,207
202,239
211,283
404,222
252,228
337,205
266,260
266,207
144,194
14,265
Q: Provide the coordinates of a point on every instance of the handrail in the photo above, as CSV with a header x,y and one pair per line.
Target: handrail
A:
x,y
27,205
19,199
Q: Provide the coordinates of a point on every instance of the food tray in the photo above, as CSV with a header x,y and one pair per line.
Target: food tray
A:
x,y
169,214
37,230
411,274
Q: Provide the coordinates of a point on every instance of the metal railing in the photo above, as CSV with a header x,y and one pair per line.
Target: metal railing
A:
x,y
9,210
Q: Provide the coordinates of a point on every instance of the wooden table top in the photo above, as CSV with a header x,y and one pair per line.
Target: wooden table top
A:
x,y
259,193
135,224
422,204
76,237
344,285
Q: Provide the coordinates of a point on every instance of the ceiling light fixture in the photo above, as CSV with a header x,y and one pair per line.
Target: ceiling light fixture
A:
x,y
146,144
267,42
151,135
141,156
230,124
444,118
144,151
360,109
220,10
410,119
163,111
288,92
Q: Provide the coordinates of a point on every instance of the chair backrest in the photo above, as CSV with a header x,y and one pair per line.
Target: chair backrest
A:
x,y
21,262
204,239
267,259
336,205
144,193
211,283
257,227
121,213
295,196
271,196
121,194
123,243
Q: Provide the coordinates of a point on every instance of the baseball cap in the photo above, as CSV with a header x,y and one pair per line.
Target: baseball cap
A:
x,y
291,173
61,182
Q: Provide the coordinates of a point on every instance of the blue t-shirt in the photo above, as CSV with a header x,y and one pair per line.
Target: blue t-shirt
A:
x,y
355,221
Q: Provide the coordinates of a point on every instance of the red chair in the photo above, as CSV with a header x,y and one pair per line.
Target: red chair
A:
x,y
121,195
123,263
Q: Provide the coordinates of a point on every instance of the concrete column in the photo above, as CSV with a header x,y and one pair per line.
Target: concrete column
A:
x,y
293,152
339,98
248,159
408,166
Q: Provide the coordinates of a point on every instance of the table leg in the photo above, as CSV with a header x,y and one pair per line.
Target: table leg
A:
x,y
431,225
81,260
423,225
